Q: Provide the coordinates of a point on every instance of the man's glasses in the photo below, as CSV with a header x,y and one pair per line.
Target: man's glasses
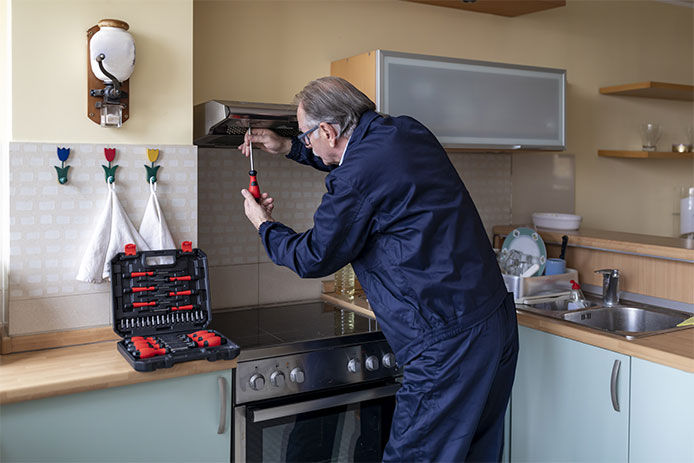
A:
x,y
304,137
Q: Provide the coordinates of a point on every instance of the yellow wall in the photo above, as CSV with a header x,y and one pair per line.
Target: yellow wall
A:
x,y
4,160
267,50
49,70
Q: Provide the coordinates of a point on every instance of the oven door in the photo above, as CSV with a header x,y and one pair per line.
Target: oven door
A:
x,y
343,427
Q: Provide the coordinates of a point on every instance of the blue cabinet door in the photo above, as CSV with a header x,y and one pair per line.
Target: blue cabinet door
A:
x,y
662,413
174,420
562,407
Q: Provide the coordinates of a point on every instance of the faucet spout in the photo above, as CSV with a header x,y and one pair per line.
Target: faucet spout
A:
x,y
610,286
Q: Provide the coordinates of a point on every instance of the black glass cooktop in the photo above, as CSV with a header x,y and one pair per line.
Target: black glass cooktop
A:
x,y
260,327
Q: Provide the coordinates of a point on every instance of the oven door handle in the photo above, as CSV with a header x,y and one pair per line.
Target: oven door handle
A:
x,y
265,414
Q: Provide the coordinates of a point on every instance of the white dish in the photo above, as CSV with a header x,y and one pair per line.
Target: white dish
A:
x,y
556,221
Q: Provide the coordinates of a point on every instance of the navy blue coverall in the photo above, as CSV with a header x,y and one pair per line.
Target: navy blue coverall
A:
x,y
398,211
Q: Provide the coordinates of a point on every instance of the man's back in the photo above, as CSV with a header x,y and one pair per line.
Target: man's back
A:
x,y
427,265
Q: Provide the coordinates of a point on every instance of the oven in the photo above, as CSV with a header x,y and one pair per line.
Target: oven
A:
x,y
314,384
349,426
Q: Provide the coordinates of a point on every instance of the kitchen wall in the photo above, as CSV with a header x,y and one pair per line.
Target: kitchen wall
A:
x,y
49,72
4,160
49,223
267,50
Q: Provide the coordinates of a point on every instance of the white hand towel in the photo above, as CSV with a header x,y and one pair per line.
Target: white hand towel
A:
x,y
113,231
153,228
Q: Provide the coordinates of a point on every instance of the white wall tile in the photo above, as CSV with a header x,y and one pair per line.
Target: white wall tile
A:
x,y
542,183
233,286
488,180
38,315
279,284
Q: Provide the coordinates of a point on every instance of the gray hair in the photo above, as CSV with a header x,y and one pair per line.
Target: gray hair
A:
x,y
333,99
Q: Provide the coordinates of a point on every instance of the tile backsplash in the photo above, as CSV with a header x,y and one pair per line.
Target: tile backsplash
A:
x,y
51,224
199,190
240,271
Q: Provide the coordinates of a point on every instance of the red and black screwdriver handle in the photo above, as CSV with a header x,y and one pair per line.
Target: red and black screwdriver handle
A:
x,y
146,353
253,187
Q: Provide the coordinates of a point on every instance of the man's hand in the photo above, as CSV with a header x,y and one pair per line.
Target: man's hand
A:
x,y
258,213
266,140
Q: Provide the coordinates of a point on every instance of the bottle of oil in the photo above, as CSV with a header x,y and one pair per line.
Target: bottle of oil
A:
x,y
344,282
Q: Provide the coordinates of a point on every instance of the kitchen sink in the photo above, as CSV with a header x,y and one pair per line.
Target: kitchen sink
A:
x,y
628,321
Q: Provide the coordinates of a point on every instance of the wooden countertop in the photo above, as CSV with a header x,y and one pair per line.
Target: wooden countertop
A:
x,y
66,370
674,349
632,243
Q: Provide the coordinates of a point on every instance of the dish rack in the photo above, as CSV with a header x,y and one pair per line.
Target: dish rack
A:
x,y
545,285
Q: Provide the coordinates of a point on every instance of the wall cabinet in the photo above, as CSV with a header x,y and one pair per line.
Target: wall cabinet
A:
x,y
562,407
466,104
174,420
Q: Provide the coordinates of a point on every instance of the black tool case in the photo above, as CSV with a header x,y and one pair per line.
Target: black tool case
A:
x,y
159,299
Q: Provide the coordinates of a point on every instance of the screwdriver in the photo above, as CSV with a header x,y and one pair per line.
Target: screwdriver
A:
x,y
253,187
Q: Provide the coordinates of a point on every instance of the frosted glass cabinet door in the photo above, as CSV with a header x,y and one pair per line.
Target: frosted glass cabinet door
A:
x,y
562,406
475,103
171,420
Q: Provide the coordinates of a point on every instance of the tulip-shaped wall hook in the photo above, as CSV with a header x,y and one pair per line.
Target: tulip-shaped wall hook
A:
x,y
110,172
152,155
63,154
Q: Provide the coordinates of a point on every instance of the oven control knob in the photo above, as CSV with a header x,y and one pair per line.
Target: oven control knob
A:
x,y
372,363
297,375
388,360
353,366
277,378
257,382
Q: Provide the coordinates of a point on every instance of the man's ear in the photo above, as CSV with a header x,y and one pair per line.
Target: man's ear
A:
x,y
330,133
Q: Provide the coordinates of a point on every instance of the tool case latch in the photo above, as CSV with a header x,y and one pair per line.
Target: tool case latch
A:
x,y
130,249
187,246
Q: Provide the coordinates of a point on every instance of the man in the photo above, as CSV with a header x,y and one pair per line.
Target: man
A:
x,y
397,210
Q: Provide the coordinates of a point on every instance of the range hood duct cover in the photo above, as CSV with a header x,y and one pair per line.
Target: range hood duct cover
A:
x,y
222,124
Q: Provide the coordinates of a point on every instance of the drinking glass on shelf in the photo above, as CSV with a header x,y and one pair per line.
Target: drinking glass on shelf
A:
x,y
650,134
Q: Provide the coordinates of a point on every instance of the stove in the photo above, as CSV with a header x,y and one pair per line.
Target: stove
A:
x,y
305,347
313,383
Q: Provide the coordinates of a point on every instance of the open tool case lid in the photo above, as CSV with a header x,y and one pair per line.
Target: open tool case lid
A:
x,y
164,294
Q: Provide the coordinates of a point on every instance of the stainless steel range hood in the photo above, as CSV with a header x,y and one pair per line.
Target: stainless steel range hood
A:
x,y
222,124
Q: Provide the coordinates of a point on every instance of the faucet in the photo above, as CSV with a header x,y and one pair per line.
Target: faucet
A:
x,y
610,286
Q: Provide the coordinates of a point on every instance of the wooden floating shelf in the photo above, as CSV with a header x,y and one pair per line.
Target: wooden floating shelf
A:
x,y
644,154
650,89
508,8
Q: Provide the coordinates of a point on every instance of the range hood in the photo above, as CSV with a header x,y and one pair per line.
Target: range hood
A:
x,y
222,124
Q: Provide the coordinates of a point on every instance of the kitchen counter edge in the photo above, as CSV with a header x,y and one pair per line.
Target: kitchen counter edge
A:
x,y
67,370
674,349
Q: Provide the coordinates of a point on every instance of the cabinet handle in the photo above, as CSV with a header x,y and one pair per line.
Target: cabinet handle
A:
x,y
223,404
613,384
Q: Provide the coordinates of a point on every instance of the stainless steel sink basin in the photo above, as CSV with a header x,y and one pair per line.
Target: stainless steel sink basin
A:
x,y
560,305
628,321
